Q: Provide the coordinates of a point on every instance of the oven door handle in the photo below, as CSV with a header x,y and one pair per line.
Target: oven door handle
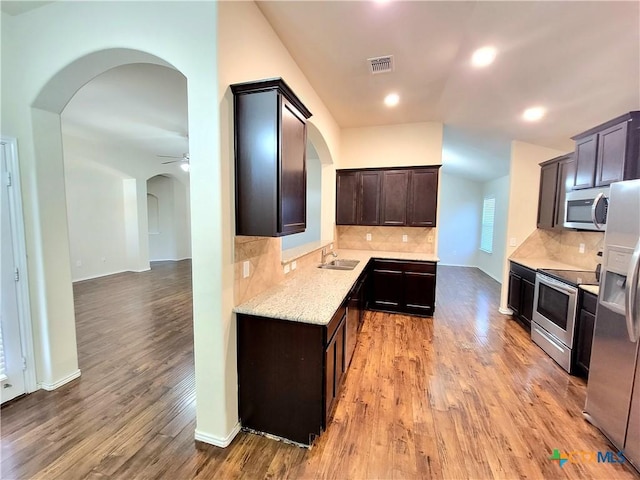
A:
x,y
551,283
594,207
631,295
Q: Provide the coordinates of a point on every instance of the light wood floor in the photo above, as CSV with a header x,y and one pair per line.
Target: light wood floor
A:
x,y
463,395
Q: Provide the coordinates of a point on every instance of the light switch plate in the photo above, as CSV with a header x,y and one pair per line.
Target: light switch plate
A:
x,y
245,268
512,242
294,265
581,248
368,237
405,238
331,246
287,269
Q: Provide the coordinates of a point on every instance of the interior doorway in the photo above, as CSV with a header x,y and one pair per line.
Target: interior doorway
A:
x,y
17,375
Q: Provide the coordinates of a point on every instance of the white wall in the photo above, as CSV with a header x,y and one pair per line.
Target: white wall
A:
x,y
107,212
491,263
392,145
460,217
95,211
44,62
314,207
171,240
524,183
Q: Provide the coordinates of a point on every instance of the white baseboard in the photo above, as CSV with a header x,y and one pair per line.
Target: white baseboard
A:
x,y
169,259
59,383
505,311
218,441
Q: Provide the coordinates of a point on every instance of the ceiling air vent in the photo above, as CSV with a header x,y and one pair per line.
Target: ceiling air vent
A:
x,y
381,64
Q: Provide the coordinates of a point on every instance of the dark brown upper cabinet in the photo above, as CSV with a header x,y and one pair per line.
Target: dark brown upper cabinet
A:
x,y
394,197
608,153
423,197
369,198
555,175
387,196
347,197
270,159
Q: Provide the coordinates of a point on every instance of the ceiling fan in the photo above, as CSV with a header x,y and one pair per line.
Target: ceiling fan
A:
x,y
183,160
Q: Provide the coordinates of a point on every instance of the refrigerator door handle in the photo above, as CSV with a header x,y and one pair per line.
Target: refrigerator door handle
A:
x,y
631,295
594,207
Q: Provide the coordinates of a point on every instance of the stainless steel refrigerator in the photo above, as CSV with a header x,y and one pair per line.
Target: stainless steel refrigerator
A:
x,y
613,389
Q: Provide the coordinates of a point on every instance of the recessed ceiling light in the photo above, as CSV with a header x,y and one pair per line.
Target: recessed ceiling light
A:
x,y
380,2
483,56
391,100
533,114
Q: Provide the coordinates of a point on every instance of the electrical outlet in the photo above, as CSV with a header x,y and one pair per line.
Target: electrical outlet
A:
x,y
513,242
294,265
368,237
581,248
287,268
245,268
405,238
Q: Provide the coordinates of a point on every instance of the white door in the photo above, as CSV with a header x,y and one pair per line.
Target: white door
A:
x,y
12,379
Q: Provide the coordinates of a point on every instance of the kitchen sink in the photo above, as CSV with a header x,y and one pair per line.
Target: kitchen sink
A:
x,y
340,264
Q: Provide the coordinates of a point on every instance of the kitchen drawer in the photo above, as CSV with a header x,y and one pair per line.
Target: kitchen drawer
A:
x,y
420,267
390,265
523,272
589,302
333,324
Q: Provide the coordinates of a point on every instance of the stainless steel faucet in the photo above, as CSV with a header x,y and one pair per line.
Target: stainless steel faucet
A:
x,y
325,254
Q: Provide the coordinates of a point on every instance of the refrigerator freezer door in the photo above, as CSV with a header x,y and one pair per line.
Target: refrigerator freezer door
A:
x,y
611,375
632,444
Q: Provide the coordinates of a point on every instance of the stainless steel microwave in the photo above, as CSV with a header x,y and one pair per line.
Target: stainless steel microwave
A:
x,y
587,209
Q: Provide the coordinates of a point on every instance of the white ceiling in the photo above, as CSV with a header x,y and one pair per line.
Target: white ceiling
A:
x,y
579,59
142,105
17,7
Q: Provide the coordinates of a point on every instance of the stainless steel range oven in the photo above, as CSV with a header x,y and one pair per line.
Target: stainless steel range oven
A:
x,y
554,313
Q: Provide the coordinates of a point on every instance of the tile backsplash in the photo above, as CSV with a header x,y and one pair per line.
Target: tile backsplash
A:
x,y
264,255
563,246
388,239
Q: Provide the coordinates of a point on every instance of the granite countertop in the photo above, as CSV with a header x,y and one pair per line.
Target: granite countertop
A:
x,y
595,289
536,263
314,294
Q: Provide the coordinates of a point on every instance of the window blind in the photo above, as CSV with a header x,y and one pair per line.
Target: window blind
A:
x,y
488,217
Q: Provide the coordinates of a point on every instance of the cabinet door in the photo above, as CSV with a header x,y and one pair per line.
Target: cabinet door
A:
x,y
565,180
585,157
387,289
612,148
335,367
547,195
293,172
423,195
346,191
419,293
369,198
515,285
394,197
586,323
526,301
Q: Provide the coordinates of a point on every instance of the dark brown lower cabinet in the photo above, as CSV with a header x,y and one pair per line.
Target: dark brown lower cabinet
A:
x,y
403,286
584,335
289,374
522,282
335,366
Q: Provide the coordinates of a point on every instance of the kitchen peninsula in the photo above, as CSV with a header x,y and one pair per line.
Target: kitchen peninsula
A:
x,y
295,340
